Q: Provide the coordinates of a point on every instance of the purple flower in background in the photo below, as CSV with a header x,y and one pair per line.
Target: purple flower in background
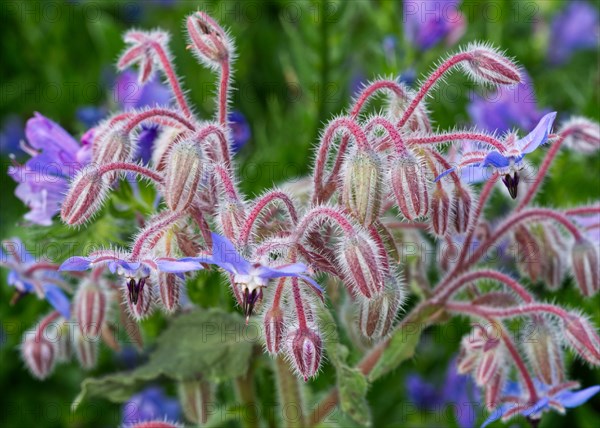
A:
x,y
130,94
575,28
427,22
459,391
506,108
150,404
240,130
11,134
44,179
27,275
146,139
90,115
251,276
558,398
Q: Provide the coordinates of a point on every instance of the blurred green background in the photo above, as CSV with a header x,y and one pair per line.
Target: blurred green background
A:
x,y
297,65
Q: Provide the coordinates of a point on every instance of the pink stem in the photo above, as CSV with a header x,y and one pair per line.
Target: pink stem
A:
x,y
208,130
457,136
446,291
430,82
227,182
298,303
583,210
124,166
370,90
390,129
153,230
259,206
172,78
41,266
514,311
224,91
319,213
446,165
156,112
44,323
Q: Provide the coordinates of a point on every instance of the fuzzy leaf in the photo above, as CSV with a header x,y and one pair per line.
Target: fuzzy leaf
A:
x,y
207,342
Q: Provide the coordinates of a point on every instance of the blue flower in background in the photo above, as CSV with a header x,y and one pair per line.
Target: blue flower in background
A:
x,y
44,179
556,398
27,276
459,392
91,115
507,108
240,130
427,22
11,134
576,27
130,94
146,138
150,404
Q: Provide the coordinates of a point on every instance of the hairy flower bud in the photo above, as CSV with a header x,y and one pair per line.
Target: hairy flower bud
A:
x,y
409,183
274,329
86,350
232,216
139,297
39,354
440,211
528,253
487,65
90,309
64,342
361,186
113,145
543,350
195,397
182,174
583,135
582,336
460,209
376,315
88,191
305,349
211,43
169,289
586,267
361,265
494,389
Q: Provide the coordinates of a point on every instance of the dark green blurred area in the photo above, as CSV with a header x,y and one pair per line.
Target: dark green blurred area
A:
x,y
295,67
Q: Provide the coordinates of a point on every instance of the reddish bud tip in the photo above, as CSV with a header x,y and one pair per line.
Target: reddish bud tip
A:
x,y
487,65
410,185
305,349
210,42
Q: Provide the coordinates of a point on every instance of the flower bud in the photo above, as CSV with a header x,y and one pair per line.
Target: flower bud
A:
x,y
409,183
274,329
544,352
195,397
361,265
39,354
460,209
583,135
418,121
361,186
305,349
142,305
586,267
64,342
489,364
182,174
487,65
212,46
90,309
440,210
169,289
85,197
113,145
376,315
233,217
582,336
493,390
528,253
86,350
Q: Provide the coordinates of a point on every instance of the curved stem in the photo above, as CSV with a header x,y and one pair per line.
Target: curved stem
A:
x,y
45,322
320,213
259,206
457,136
369,91
583,210
156,112
226,182
515,311
208,130
125,166
172,78
390,129
152,230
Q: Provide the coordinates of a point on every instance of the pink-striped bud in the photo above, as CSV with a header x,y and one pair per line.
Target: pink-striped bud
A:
x,y
182,174
169,289
410,185
305,349
39,353
487,65
361,265
110,146
233,217
86,195
361,186
195,397
274,329
376,315
90,309
211,43
583,135
440,210
86,350
582,336
528,253
493,390
64,341
460,209
489,363
544,352
139,296
586,267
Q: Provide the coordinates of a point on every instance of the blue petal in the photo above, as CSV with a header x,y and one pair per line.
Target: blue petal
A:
x,y
76,264
131,267
496,414
538,136
278,272
57,298
224,254
495,159
315,285
443,174
537,407
177,266
573,399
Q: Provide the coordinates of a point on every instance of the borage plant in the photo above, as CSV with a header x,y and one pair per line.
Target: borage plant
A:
x,y
343,228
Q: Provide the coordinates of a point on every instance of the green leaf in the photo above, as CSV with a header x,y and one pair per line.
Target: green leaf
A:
x,y
352,384
212,343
